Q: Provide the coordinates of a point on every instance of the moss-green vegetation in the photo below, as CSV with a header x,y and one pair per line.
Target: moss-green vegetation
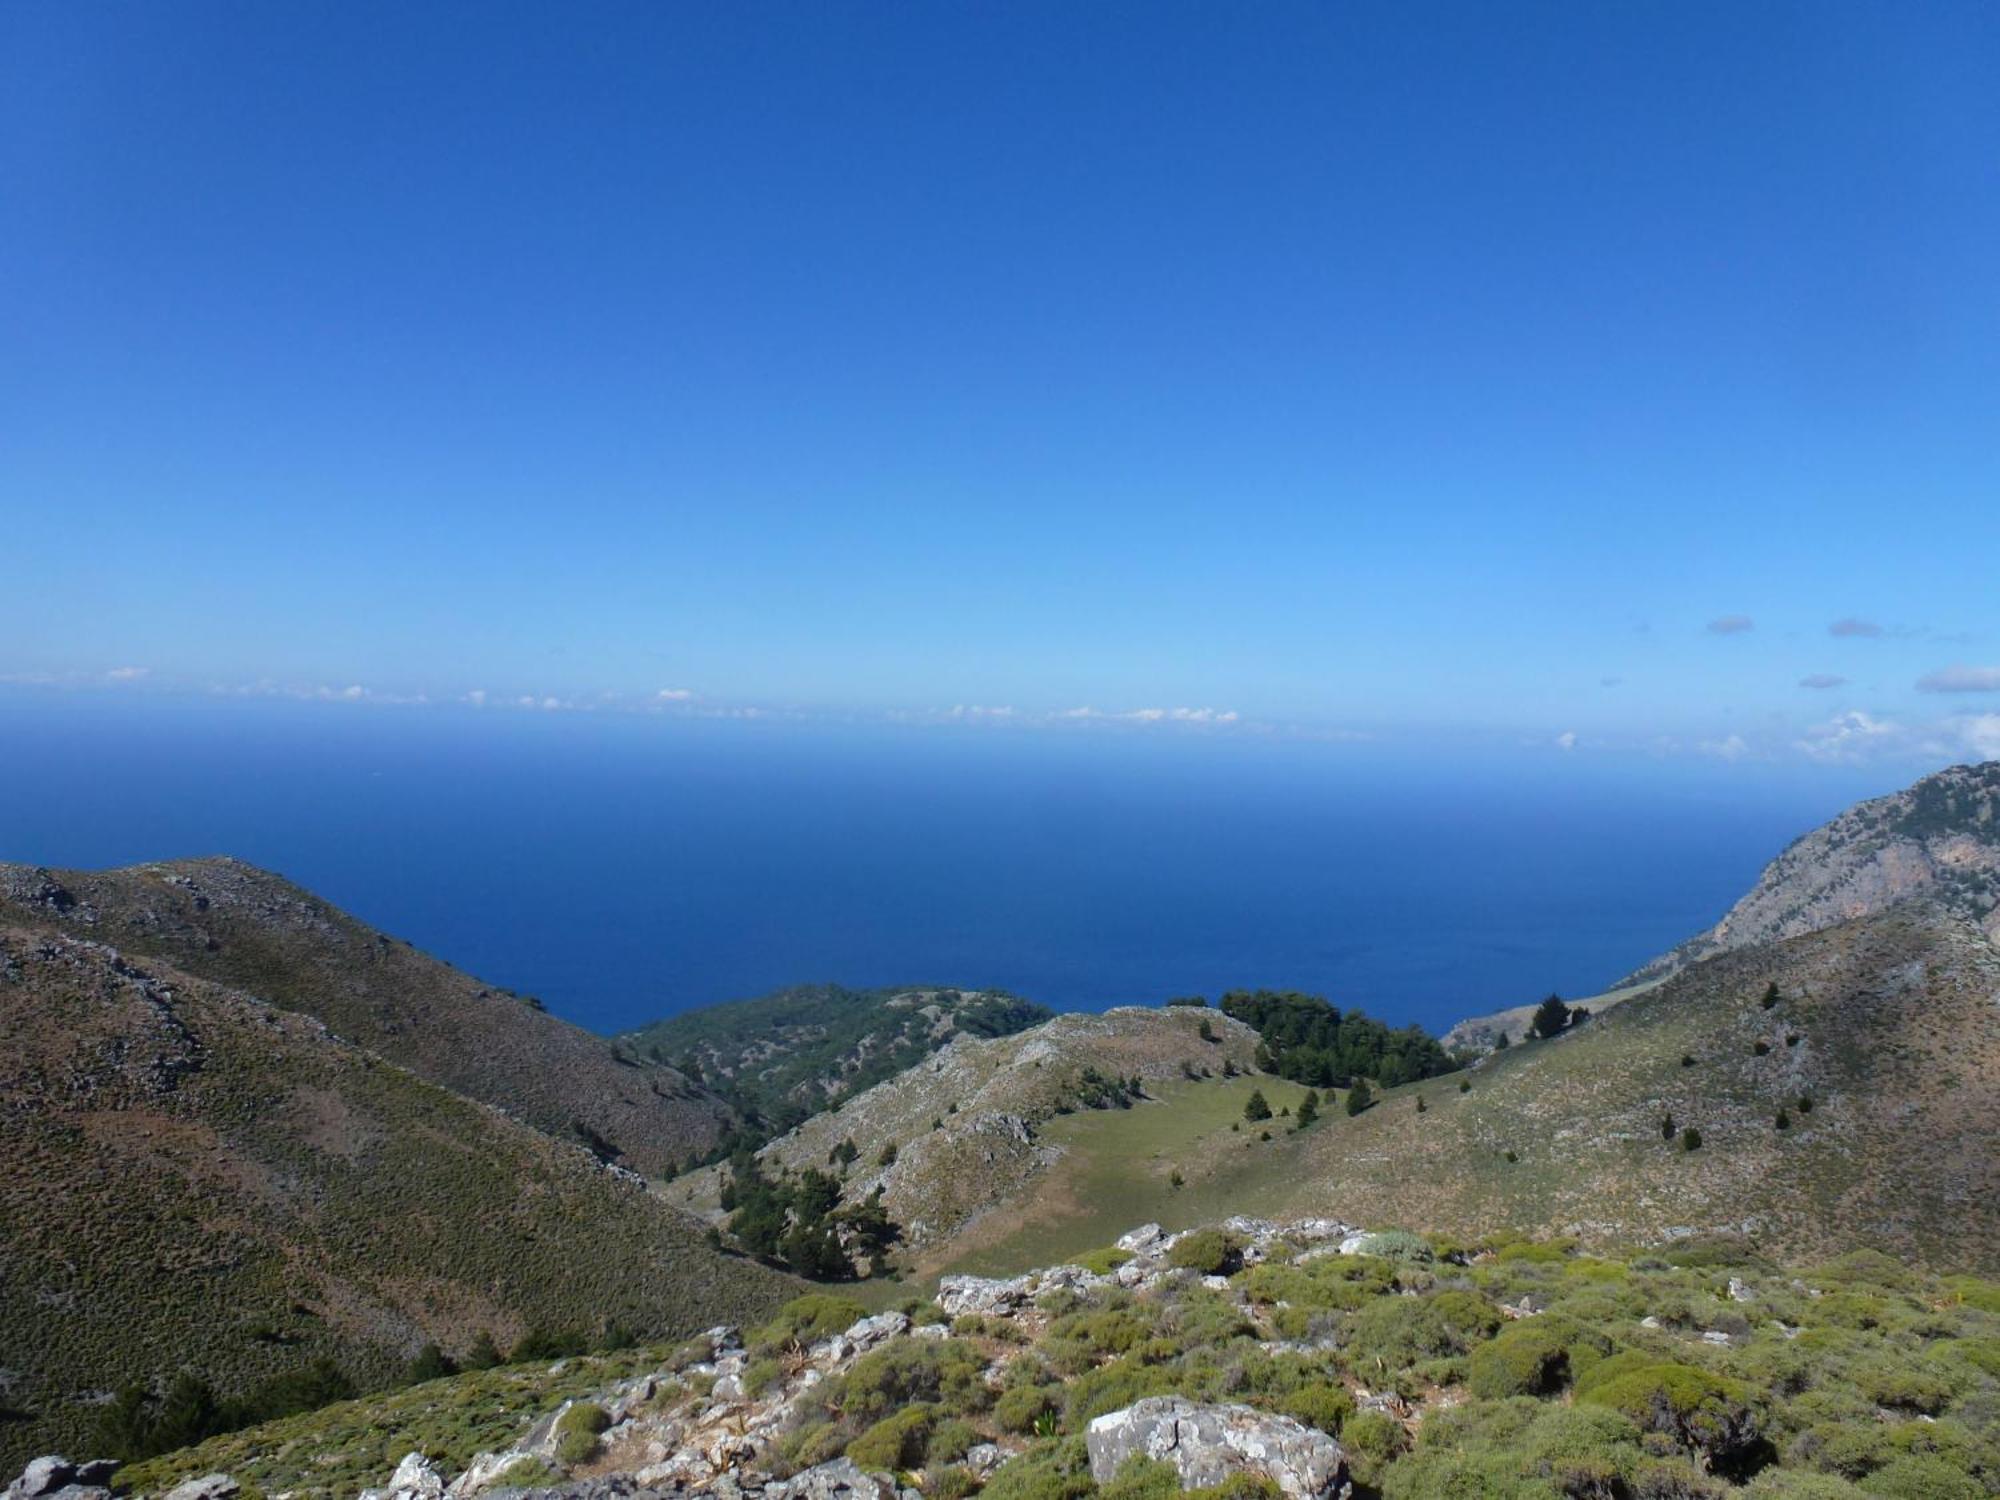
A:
x,y
1535,1371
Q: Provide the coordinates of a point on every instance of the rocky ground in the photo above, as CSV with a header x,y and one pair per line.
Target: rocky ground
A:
x,y
692,1428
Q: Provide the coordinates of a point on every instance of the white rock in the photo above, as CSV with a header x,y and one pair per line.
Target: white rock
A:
x,y
1145,1238
1207,1443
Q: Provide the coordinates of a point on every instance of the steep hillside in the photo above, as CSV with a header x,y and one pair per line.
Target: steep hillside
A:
x,y
191,1178
967,1124
1939,838
249,929
786,1056
1889,1026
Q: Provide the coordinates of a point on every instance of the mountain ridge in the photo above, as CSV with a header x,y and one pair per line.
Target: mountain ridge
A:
x,y
191,1177
1939,836
250,929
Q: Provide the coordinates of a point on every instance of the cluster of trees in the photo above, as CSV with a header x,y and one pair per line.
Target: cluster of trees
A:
x,y
1308,1040
798,1220
139,1424
1094,1090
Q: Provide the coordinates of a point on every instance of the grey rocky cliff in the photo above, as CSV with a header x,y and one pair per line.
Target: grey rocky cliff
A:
x,y
1938,839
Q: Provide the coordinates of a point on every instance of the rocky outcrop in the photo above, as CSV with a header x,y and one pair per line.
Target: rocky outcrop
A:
x,y
1938,839
53,1477
1208,1444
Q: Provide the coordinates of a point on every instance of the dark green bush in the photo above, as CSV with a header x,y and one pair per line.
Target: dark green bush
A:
x,y
1209,1251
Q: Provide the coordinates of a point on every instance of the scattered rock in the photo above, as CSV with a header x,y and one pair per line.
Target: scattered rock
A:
x,y
1208,1443
958,1295
53,1477
840,1480
207,1487
1145,1238
414,1479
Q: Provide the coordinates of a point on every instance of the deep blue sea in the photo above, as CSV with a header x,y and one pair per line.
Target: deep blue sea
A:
x,y
622,869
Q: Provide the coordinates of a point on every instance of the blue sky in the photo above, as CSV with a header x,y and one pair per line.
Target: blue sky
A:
x,y
1558,375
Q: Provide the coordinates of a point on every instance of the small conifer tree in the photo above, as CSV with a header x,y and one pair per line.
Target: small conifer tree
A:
x,y
1309,1108
1257,1107
1770,995
1359,1097
1690,1139
1551,1016
1421,1106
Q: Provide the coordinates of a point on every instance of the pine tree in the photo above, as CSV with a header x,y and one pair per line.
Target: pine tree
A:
x,y
1308,1108
1421,1106
1257,1107
1770,995
1551,1016
1502,1044
1358,1097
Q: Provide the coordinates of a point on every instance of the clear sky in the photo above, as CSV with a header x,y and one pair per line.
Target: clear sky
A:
x,y
1595,377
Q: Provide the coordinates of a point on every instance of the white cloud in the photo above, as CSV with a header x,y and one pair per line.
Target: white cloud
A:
x,y
673,695
981,711
1961,679
1566,741
1852,736
1153,715
1981,735
127,674
1731,625
477,697
1731,748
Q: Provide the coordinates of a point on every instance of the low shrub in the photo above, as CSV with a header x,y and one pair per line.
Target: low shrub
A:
x,y
1103,1262
896,1442
807,1319
576,1431
1320,1405
1056,1470
1209,1251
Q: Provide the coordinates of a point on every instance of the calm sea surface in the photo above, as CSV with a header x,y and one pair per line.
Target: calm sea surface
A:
x,y
622,869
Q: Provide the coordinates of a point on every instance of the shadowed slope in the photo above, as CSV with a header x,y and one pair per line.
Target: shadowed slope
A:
x,y
255,931
190,1178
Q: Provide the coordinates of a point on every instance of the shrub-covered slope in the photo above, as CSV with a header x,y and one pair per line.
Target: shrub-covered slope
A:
x,y
1939,838
193,1179
251,930
1861,1107
1501,1369
786,1056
